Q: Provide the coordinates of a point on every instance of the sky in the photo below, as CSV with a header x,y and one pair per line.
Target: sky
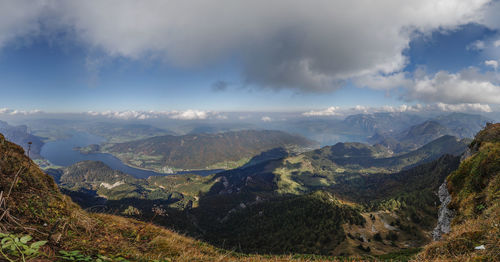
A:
x,y
197,57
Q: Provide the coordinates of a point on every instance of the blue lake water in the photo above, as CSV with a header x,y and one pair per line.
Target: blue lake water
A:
x,y
62,153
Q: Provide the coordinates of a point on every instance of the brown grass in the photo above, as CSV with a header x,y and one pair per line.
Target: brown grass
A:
x,y
475,191
460,243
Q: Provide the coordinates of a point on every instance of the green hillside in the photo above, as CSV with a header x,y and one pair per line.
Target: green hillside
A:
x,y
475,192
203,151
363,158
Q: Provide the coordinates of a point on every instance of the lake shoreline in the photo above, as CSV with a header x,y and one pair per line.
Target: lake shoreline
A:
x,y
64,152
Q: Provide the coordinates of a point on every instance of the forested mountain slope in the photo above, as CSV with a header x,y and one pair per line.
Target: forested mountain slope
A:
x,y
202,151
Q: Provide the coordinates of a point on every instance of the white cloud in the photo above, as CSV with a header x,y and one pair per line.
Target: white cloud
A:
x,y
477,45
467,86
266,119
126,115
492,63
331,111
189,114
386,109
464,107
496,43
311,45
8,111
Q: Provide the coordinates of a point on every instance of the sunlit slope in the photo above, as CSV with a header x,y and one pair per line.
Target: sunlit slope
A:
x,y
475,191
202,151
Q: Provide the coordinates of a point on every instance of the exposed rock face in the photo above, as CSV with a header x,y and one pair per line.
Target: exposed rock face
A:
x,y
466,154
444,215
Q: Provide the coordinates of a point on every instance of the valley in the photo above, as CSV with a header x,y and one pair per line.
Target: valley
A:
x,y
366,188
203,151
347,199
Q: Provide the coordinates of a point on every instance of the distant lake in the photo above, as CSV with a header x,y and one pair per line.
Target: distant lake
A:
x,y
62,153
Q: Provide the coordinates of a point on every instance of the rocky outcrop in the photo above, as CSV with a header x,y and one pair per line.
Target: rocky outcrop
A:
x,y
466,154
445,215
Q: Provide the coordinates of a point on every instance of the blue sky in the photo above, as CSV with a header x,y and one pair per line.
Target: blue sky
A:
x,y
54,78
54,60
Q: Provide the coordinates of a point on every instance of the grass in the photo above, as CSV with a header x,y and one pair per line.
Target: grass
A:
x,y
475,190
229,164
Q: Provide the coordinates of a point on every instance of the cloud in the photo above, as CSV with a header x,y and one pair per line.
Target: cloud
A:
x,y
490,16
19,19
220,85
496,43
126,115
8,111
477,45
189,114
466,86
359,109
331,111
464,107
387,109
492,63
418,108
266,119
314,45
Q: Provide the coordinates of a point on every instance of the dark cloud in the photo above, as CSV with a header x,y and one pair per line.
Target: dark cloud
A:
x,y
310,46
219,86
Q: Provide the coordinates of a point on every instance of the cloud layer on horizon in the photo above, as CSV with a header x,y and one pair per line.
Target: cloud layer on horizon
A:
x,y
418,108
310,46
13,112
189,114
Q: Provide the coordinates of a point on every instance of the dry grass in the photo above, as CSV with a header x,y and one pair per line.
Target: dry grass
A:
x,y
476,198
140,241
460,243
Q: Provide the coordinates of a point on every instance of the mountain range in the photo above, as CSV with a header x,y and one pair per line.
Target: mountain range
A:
x,y
343,200
456,124
375,127
21,136
362,186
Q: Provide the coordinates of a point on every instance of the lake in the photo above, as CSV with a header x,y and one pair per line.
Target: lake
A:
x,y
62,153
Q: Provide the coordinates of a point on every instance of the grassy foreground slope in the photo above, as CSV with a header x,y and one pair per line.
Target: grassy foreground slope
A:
x,y
31,204
475,192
